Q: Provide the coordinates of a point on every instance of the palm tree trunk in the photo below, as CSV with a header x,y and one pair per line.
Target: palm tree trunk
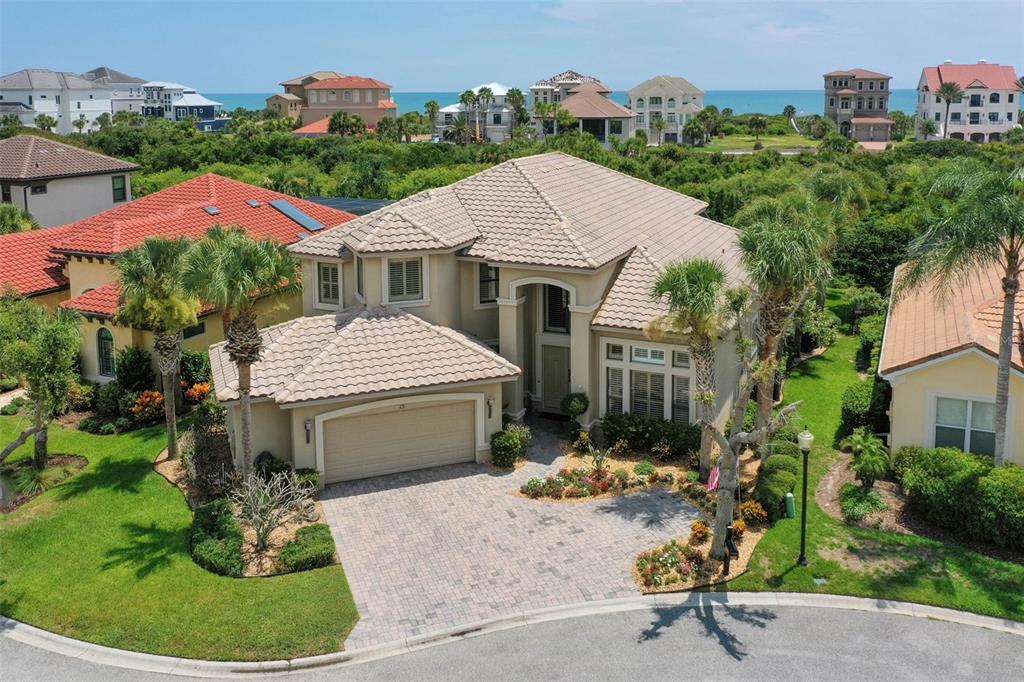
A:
x,y
1011,285
728,482
168,353
170,415
244,399
945,124
41,433
704,364
766,371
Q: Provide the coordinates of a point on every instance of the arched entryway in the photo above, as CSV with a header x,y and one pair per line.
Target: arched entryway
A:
x,y
995,137
844,128
956,136
978,137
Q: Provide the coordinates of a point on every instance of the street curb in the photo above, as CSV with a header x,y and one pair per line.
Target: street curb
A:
x,y
95,653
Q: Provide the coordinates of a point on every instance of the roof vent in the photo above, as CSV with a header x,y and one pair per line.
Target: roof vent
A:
x,y
286,207
303,235
983,61
212,210
253,202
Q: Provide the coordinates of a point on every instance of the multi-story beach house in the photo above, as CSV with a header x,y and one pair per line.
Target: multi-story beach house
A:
x,y
176,102
989,107
673,99
317,95
62,95
857,101
125,91
496,119
588,100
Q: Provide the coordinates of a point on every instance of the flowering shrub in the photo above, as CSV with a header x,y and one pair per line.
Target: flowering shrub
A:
x,y
753,513
198,392
699,532
148,407
620,448
582,444
669,564
739,527
587,482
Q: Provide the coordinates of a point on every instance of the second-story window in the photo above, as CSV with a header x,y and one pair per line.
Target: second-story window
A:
x,y
328,284
120,188
671,103
405,279
655,101
347,95
994,98
556,309
488,279
640,103
975,100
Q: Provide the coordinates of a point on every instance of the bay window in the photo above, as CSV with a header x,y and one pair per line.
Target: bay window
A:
x,y
646,378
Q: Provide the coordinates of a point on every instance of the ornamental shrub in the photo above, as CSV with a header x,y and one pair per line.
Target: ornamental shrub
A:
x,y
858,502
781,463
941,483
106,430
266,465
999,507
89,425
643,433
217,539
575,404
753,513
81,396
903,459
195,367
134,369
309,478
8,384
644,468
771,491
197,392
108,400
148,407
699,532
14,406
313,547
504,449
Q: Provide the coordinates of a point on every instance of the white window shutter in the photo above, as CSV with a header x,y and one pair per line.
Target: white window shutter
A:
x,y
396,279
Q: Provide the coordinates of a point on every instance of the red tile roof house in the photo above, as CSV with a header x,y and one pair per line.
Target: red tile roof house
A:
x,y
990,105
511,288
58,183
73,265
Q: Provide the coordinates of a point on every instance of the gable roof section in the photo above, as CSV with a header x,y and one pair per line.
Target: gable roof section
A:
x,y
592,104
29,264
180,211
347,82
316,75
858,73
676,83
44,79
992,76
104,75
357,353
921,328
28,157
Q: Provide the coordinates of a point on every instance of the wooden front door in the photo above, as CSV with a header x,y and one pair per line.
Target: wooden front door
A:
x,y
555,361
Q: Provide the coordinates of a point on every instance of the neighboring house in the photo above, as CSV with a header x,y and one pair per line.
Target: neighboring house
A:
x,y
73,265
587,99
496,123
674,99
547,260
322,93
125,91
57,183
990,105
63,95
177,102
857,101
941,363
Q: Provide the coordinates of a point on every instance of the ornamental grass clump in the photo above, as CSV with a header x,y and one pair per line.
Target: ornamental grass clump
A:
x,y
267,503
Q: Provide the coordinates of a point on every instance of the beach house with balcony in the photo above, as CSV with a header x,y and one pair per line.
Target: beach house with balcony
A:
x,y
989,107
673,99
589,101
315,96
125,91
857,101
497,120
62,95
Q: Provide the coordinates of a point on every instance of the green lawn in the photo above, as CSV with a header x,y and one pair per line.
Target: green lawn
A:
x,y
104,557
735,142
862,562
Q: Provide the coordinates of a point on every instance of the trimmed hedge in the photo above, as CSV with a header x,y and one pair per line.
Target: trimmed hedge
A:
x,y
643,433
217,539
781,463
771,491
864,404
313,547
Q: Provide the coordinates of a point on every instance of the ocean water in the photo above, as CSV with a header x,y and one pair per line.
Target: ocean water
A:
x,y
807,102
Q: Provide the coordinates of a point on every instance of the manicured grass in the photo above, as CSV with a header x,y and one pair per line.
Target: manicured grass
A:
x,y
104,557
735,142
863,562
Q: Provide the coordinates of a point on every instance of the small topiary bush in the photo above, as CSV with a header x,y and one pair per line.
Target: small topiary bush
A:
x,y
217,539
781,463
771,491
134,369
509,446
313,547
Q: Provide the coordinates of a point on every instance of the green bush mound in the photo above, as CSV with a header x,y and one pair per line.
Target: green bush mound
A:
x,y
858,502
509,445
771,490
781,463
966,494
643,433
313,547
217,539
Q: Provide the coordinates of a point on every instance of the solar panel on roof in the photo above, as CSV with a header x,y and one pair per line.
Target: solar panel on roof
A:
x,y
253,202
286,207
354,205
212,210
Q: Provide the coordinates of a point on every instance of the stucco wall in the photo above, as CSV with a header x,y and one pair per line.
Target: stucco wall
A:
x,y
70,199
271,431
479,320
50,300
86,274
966,376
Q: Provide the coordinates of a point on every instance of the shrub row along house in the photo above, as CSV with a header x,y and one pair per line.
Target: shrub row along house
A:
x,y
73,266
429,318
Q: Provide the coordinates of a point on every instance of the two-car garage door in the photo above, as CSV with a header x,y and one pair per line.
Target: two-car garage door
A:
x,y
399,438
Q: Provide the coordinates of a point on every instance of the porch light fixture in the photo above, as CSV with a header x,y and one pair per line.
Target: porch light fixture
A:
x,y
309,428
490,406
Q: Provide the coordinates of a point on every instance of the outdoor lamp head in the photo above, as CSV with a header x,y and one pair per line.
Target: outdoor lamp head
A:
x,y
805,439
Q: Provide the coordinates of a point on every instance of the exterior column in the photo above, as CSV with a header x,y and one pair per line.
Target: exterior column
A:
x,y
580,359
510,336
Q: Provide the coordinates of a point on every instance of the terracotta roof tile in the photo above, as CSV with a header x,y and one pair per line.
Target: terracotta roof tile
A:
x,y
29,264
103,301
28,157
347,82
858,73
992,76
358,352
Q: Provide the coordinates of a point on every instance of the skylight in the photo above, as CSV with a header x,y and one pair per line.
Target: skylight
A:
x,y
286,207
253,202
212,210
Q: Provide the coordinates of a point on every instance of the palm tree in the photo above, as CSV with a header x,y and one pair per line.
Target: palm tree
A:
x,y
757,124
516,101
432,109
695,291
658,126
542,110
153,297
786,257
949,92
983,229
468,101
789,111
45,122
80,123
103,121
14,219
484,97
695,130
231,271
459,129
927,127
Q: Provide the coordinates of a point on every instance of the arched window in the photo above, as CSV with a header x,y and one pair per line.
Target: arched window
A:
x,y
640,103
994,98
105,352
671,102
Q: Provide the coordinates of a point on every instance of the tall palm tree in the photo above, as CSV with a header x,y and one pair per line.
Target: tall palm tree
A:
x,y
757,124
484,97
153,296
984,228
232,271
789,111
695,293
695,130
658,126
459,129
516,101
432,109
927,128
786,257
80,123
950,92
468,101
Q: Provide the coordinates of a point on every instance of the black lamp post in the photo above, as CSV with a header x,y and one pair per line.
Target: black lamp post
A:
x,y
805,440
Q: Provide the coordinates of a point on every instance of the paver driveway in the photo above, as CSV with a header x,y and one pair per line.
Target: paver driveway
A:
x,y
448,546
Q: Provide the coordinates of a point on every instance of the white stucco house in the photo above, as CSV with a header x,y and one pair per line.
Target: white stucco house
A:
x,y
497,120
990,105
62,95
427,319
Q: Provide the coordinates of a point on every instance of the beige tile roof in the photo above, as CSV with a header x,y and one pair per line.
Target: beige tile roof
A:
x,y
921,327
28,157
588,104
358,352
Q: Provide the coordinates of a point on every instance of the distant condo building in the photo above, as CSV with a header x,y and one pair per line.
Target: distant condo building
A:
x,y
125,91
673,99
319,94
989,106
587,100
177,102
496,120
62,95
857,101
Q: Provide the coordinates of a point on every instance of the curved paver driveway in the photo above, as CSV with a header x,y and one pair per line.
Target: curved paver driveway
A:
x,y
448,546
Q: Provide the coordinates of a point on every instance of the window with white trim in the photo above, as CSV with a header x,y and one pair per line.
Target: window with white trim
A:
x,y
359,276
650,356
328,281
556,309
680,358
681,399
647,394
487,277
614,351
965,424
613,389
105,351
640,379
405,279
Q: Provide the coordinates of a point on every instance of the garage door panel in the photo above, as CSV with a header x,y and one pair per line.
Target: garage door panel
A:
x,y
395,440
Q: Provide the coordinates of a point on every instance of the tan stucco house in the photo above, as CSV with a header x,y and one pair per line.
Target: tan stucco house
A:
x,y
545,260
315,96
940,359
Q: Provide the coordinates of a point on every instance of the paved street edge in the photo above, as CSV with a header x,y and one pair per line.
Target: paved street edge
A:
x,y
102,655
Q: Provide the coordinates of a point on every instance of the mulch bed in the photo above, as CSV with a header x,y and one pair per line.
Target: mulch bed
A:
x,y
737,567
900,517
74,462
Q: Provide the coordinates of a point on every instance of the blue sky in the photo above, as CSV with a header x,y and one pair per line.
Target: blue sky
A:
x,y
220,46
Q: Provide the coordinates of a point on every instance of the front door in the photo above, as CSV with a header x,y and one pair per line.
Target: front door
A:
x,y
555,361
